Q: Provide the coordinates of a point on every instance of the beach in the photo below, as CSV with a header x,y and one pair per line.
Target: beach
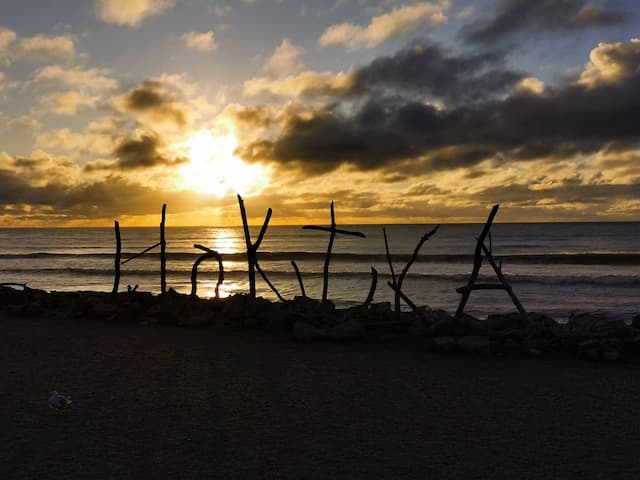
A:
x,y
174,402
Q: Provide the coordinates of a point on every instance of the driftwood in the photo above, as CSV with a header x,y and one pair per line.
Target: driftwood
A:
x,y
137,255
372,289
194,271
252,251
481,249
327,259
116,276
297,270
393,282
163,253
396,285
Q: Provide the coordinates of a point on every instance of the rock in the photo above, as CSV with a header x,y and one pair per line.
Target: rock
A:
x,y
505,321
349,330
472,325
599,324
306,331
475,344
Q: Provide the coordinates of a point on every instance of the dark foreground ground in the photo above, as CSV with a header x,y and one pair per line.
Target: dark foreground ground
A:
x,y
170,402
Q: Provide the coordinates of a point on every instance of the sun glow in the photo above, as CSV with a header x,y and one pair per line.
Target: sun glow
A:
x,y
214,168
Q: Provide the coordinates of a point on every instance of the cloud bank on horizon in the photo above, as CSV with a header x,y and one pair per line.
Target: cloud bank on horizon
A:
x,y
409,111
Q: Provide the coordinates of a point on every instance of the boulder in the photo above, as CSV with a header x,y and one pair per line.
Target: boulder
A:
x,y
505,321
599,324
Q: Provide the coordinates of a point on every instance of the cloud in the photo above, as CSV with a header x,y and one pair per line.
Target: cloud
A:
x,y
7,37
399,130
426,68
51,199
151,99
421,68
399,21
202,42
285,60
69,103
90,80
611,62
142,152
42,48
308,82
130,12
517,16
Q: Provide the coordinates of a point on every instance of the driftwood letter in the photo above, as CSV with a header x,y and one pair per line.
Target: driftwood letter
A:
x,y
252,251
327,259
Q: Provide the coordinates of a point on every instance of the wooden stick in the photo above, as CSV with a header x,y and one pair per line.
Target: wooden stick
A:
x,y
393,274
327,258
336,230
263,230
250,250
295,267
140,254
407,300
405,270
271,286
372,289
194,271
506,285
163,252
116,276
477,259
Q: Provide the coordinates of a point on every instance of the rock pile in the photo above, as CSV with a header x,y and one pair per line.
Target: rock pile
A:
x,y
594,336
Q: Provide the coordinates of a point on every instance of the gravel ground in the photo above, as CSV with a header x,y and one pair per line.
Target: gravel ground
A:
x,y
169,402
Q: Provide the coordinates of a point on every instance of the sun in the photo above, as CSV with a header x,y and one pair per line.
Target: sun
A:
x,y
214,168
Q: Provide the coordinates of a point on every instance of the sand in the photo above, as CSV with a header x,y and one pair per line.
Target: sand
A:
x,y
171,402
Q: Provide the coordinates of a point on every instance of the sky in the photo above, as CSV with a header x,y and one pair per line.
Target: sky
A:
x,y
399,111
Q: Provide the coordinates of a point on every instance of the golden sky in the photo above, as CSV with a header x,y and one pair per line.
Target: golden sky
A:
x,y
401,112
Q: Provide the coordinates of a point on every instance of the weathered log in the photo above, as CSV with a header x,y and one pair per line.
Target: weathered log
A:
x,y
477,258
163,252
116,276
372,289
146,250
505,284
194,271
327,259
481,249
252,250
407,300
250,254
396,285
295,267
271,285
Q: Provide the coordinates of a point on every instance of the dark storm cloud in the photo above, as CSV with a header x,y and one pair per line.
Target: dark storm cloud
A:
x,y
560,123
515,16
107,198
143,152
151,98
425,68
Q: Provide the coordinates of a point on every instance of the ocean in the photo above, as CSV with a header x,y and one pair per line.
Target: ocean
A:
x,y
554,268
